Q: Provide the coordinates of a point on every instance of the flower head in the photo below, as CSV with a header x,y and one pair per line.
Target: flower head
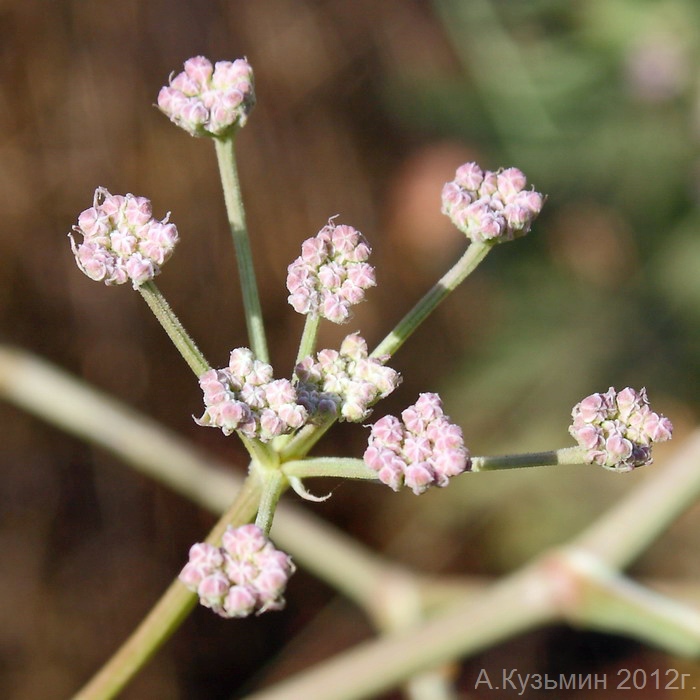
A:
x,y
331,274
245,397
423,449
245,575
344,384
490,206
618,429
121,239
209,100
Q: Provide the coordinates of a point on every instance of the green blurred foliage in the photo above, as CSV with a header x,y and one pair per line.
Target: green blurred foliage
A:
x,y
597,102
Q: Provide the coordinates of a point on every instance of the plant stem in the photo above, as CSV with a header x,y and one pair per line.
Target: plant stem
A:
x,y
474,254
566,585
344,467
168,613
652,507
308,337
467,626
236,218
70,404
566,455
349,468
51,394
259,452
612,603
175,330
274,483
299,446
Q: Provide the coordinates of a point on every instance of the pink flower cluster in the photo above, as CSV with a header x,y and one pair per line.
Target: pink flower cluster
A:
x,y
121,239
490,206
344,384
618,429
208,100
331,274
422,450
245,575
245,397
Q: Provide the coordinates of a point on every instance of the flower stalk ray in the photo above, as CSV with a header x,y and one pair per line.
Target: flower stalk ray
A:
x,y
242,567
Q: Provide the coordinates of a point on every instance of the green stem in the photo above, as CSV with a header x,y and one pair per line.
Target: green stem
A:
x,y
300,445
566,455
666,491
344,467
193,356
610,602
236,218
653,506
467,626
474,254
274,483
62,400
349,468
175,330
168,613
259,452
308,337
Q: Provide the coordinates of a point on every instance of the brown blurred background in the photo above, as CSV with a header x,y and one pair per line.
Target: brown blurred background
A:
x,y
364,110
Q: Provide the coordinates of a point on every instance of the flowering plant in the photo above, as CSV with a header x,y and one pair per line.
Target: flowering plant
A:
x,y
237,570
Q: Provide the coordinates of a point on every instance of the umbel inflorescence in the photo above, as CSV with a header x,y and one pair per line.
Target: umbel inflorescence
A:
x,y
209,100
422,449
121,240
245,574
618,429
331,274
244,397
280,419
345,383
490,206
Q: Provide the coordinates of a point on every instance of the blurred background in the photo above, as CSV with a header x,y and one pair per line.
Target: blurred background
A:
x,y
364,110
